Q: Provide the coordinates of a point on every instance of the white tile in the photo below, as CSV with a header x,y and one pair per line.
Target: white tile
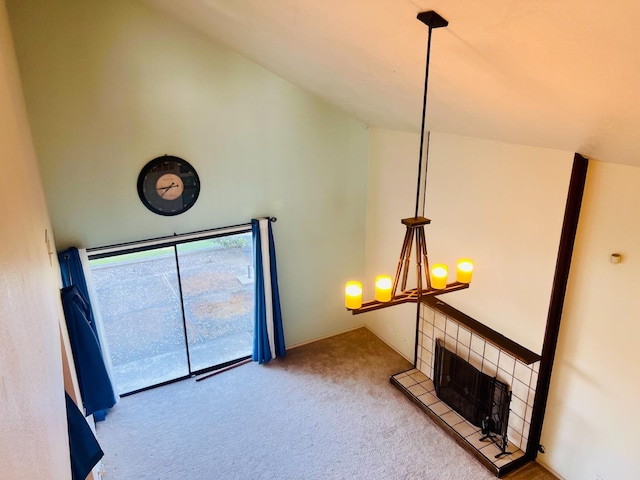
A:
x,y
504,377
417,390
419,377
536,366
427,315
440,321
428,385
532,395
406,381
474,440
518,407
464,337
450,343
452,328
520,390
428,345
503,460
506,362
424,356
463,352
430,359
429,371
522,372
527,416
490,451
440,408
438,334
516,423
491,353
423,367
534,380
452,418
465,429
475,360
489,368
428,399
427,333
515,438
477,345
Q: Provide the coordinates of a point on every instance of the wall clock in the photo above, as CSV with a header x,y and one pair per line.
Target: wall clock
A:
x,y
168,185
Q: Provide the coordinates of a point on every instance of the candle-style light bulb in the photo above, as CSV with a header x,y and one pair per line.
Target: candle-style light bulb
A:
x,y
353,295
439,274
383,288
464,270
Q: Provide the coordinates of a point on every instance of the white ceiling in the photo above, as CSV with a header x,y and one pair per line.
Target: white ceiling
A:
x,y
562,74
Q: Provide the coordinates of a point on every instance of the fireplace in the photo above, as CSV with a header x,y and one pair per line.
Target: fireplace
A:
x,y
481,399
492,358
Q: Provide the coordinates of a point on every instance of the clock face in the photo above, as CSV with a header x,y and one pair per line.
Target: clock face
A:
x,y
168,185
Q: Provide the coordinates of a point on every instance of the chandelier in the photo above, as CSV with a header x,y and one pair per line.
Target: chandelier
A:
x,y
429,281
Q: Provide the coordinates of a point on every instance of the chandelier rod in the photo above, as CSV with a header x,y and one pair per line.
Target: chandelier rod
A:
x,y
424,116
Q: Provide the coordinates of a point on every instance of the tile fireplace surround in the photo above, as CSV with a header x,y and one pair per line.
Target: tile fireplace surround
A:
x,y
494,358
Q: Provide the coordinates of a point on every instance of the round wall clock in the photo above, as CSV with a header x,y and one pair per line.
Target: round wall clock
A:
x,y
168,185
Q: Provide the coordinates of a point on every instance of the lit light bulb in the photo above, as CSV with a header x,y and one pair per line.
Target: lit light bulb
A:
x,y
353,295
464,270
383,288
439,274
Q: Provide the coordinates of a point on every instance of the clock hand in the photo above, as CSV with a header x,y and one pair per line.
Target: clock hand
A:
x,y
166,189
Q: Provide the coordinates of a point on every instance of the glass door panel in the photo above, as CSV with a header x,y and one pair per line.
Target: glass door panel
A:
x,y
217,287
138,295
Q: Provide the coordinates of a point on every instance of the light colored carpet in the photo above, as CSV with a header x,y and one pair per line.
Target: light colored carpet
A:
x,y
326,411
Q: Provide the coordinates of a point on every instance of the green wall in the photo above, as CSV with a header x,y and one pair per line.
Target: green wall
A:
x,y
111,85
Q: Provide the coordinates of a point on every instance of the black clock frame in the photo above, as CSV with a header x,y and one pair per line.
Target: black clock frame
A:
x,y
159,166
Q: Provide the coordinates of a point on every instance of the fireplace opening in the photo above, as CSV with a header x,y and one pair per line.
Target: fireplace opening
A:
x,y
481,399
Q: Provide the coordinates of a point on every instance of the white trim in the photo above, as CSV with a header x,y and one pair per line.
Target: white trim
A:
x,y
307,342
162,241
266,273
301,344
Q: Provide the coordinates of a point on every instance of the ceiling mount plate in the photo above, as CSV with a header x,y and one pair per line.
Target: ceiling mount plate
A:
x,y
432,19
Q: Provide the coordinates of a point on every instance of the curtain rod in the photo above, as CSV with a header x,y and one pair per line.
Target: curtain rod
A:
x,y
96,252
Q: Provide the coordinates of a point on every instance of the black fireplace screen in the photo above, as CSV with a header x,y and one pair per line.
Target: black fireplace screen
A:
x,y
481,399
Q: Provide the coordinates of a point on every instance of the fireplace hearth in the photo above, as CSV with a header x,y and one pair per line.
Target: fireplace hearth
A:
x,y
506,376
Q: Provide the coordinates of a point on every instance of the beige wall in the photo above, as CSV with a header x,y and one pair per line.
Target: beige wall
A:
x,y
111,85
33,442
591,421
393,159
501,205
592,417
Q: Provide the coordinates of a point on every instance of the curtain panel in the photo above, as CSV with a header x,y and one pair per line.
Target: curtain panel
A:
x,y
268,341
94,381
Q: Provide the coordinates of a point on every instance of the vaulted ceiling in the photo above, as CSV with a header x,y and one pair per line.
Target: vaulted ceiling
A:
x,y
561,74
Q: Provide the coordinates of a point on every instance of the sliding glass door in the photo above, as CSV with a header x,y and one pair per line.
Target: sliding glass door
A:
x,y
172,311
217,290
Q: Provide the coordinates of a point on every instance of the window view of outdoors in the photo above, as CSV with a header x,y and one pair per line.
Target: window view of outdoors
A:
x,y
138,296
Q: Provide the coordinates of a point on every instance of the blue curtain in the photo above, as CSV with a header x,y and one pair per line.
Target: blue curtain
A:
x,y
73,274
83,447
268,340
94,382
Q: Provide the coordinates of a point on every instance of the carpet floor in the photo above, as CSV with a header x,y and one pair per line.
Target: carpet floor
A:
x,y
326,411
